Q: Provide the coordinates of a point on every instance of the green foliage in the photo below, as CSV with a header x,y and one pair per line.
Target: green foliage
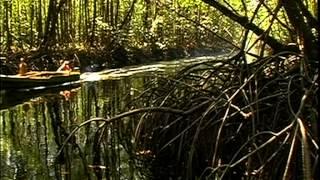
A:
x,y
142,24
153,24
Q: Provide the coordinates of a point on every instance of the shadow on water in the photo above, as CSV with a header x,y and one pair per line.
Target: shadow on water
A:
x,y
12,97
32,133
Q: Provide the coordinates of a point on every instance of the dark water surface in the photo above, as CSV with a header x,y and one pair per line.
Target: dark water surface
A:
x,y
34,130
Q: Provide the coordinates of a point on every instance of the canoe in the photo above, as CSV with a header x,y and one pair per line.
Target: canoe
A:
x,y
37,78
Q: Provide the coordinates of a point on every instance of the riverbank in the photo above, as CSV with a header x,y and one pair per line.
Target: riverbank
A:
x,y
97,59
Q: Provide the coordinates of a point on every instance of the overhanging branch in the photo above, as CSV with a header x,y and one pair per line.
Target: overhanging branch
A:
x,y
244,22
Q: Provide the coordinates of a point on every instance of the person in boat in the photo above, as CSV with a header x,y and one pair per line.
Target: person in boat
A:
x,y
65,66
22,67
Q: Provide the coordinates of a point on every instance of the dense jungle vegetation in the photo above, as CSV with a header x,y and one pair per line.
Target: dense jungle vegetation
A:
x,y
119,32
251,116
115,33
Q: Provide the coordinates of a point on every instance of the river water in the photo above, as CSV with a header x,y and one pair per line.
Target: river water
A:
x,y
34,128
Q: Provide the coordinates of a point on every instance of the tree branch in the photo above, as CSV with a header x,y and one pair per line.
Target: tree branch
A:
x,y
294,10
244,22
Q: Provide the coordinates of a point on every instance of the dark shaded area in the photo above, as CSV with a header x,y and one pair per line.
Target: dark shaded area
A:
x,y
210,139
14,97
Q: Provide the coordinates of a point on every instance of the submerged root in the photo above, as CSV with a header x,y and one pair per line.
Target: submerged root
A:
x,y
225,120
238,120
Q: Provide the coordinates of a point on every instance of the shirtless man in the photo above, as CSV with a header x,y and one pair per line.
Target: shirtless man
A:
x,y
22,67
65,66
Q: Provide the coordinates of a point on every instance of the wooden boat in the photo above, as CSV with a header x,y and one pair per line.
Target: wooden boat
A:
x,y
37,78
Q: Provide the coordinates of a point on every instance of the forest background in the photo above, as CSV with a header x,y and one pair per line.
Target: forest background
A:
x,y
119,32
115,33
264,111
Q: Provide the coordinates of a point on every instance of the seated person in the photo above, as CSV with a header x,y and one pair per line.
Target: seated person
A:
x,y
22,67
65,66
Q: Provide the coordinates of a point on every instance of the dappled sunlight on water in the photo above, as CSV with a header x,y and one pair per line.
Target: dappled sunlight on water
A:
x,y
158,68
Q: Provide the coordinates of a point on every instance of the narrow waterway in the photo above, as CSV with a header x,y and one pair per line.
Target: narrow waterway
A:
x,y
34,129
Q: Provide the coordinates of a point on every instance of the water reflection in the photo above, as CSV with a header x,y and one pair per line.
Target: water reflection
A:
x,y
33,132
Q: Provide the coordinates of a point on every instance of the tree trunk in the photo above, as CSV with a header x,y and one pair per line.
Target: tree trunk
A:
x,y
39,22
116,18
49,25
31,25
303,23
93,29
52,21
8,8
